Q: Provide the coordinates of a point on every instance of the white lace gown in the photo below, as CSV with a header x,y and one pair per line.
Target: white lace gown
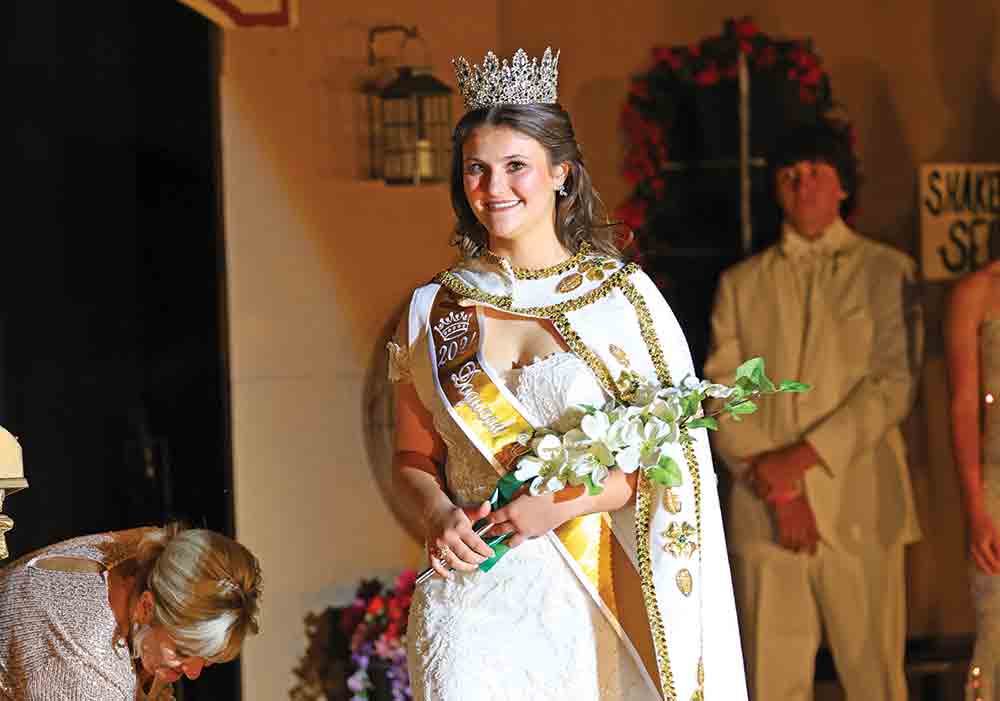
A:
x,y
527,629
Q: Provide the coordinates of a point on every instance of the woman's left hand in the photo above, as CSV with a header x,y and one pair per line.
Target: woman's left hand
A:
x,y
530,516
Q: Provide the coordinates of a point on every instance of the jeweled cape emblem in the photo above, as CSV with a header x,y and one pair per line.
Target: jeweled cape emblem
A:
x,y
682,540
569,283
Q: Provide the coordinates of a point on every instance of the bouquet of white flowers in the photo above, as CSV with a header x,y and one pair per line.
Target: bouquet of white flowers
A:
x,y
628,436
634,435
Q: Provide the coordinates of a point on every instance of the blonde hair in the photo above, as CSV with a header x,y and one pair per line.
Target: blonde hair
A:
x,y
206,589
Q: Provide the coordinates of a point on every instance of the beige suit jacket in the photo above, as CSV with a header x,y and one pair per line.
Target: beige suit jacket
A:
x,y
861,355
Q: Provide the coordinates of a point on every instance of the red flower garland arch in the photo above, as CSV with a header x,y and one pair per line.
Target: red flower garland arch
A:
x,y
651,108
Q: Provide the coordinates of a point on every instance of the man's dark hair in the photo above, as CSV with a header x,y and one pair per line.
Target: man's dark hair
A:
x,y
823,141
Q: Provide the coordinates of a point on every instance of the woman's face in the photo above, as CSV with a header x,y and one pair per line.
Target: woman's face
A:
x,y
509,183
163,658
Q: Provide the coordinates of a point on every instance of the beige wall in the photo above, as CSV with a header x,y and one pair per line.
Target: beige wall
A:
x,y
320,260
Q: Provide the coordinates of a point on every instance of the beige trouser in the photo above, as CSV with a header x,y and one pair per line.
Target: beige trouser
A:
x,y
786,600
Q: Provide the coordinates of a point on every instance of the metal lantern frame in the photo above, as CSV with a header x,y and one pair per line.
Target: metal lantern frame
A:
x,y
410,119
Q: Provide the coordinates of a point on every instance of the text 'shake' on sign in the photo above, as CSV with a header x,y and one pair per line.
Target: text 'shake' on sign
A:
x,y
959,217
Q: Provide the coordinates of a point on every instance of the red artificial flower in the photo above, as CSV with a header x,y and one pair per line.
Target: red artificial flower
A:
x,y
395,610
746,28
709,75
659,186
811,76
767,57
694,49
803,57
633,213
746,47
640,89
807,95
668,56
674,59
391,633
376,606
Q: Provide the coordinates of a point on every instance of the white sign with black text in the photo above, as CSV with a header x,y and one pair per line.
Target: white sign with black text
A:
x,y
959,217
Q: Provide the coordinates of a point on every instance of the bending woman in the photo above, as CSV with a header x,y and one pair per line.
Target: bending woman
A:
x,y
623,595
123,615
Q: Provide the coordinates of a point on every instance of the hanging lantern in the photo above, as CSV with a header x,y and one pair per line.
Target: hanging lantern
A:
x,y
410,122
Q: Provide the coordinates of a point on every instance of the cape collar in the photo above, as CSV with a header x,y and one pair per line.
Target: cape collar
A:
x,y
491,280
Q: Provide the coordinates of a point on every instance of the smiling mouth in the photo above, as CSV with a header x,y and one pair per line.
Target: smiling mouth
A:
x,y
501,206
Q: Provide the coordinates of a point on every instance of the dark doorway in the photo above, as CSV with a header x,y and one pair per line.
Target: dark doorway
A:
x,y
112,326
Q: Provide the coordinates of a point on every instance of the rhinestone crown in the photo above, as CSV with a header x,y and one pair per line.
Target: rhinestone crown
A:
x,y
522,82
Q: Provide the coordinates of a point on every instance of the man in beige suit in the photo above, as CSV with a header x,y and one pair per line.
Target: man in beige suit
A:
x,y
821,506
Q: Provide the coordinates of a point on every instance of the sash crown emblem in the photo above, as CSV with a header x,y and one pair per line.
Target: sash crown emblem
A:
x,y
453,325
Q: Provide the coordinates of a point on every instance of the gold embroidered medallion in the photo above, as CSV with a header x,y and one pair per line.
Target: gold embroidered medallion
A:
x,y
685,582
569,283
618,354
672,501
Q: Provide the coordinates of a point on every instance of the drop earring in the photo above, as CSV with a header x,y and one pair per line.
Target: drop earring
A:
x,y
562,190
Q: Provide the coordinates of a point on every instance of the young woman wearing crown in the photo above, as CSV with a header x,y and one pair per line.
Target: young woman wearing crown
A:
x,y
596,600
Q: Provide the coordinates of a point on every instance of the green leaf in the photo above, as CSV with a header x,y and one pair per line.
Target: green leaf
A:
x,y
747,406
708,422
765,385
666,472
592,489
745,386
751,369
690,404
793,386
589,408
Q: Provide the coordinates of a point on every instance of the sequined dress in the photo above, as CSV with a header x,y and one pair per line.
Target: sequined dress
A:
x,y
986,588
527,629
57,628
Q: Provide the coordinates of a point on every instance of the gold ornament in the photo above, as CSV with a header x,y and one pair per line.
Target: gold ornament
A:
x,y
569,283
618,355
682,539
671,501
685,582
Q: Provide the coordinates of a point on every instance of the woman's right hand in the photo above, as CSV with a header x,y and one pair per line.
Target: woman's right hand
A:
x,y
984,542
449,530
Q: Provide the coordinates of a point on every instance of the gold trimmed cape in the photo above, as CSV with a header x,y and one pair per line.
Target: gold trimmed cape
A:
x,y
669,548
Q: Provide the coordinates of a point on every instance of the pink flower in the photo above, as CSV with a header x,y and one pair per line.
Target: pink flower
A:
x,y
405,582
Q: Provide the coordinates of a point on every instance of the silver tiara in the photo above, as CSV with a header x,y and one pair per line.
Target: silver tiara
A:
x,y
496,83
